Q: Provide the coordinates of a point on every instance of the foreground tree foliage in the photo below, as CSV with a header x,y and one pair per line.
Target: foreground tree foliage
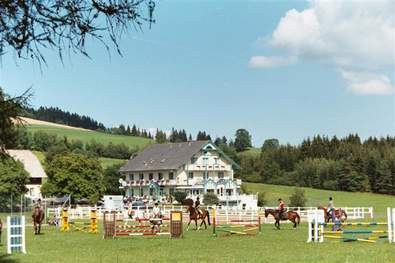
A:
x,y
10,108
74,174
29,26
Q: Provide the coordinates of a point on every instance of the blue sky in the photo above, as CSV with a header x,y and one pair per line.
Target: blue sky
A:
x,y
222,65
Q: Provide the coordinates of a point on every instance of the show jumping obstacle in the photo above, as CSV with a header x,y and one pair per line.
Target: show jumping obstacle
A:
x,y
316,221
16,234
237,227
145,227
90,227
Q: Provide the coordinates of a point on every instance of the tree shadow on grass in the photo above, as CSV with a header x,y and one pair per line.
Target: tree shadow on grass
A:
x,y
5,258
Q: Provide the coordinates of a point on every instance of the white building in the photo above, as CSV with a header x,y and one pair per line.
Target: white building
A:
x,y
195,167
33,166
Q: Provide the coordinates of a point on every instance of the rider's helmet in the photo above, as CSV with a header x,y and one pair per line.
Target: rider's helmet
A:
x,y
197,198
330,198
280,199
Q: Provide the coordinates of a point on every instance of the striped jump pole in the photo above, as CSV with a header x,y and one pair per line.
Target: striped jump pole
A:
x,y
391,224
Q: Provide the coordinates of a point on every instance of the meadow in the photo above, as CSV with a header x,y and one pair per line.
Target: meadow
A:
x,y
86,136
285,245
105,162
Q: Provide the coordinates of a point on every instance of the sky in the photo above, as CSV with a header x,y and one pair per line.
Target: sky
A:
x,y
280,69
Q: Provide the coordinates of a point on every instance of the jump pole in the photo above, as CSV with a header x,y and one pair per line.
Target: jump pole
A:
x,y
391,224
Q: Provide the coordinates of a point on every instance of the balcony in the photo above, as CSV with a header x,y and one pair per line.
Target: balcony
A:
x,y
142,183
211,167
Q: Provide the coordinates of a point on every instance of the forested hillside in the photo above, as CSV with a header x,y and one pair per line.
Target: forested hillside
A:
x,y
346,164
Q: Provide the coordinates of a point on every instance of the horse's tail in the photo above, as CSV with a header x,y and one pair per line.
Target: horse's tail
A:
x,y
297,218
208,218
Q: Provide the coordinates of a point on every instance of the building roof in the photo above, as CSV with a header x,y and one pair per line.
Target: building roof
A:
x,y
30,162
168,156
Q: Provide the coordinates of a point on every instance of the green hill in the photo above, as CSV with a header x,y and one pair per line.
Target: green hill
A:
x,y
87,135
105,162
316,197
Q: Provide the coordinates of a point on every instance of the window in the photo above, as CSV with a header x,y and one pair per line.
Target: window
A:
x,y
160,176
151,176
171,191
141,176
151,191
190,175
132,192
205,161
171,176
131,177
216,160
141,191
161,191
220,174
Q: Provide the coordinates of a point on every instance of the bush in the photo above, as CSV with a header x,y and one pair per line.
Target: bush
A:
x,y
244,189
298,198
180,196
261,199
210,199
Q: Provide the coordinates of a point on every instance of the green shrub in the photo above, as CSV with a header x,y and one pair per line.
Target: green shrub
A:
x,y
180,196
298,198
210,199
261,199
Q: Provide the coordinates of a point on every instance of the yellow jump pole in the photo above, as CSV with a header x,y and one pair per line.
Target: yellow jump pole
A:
x,y
93,218
65,221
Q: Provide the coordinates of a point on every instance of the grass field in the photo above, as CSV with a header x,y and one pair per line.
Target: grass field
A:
x,y
285,245
87,136
105,162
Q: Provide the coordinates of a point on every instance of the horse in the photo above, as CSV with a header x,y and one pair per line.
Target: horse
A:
x,y
338,213
1,227
290,215
194,215
38,217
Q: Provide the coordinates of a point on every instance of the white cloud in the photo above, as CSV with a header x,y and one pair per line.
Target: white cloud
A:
x,y
270,62
353,36
367,83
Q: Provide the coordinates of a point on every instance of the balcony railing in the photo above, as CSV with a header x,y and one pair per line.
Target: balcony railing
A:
x,y
143,182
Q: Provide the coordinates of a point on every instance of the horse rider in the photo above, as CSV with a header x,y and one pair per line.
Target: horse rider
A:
x,y
281,208
197,206
331,209
156,211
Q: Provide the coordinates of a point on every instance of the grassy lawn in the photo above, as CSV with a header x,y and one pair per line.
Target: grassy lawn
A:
x,y
286,245
87,136
105,162
317,197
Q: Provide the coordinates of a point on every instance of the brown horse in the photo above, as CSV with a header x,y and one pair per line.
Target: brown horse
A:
x,y
194,215
290,215
38,217
338,213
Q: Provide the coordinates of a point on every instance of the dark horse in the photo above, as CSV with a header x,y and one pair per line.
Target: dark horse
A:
x,y
1,227
290,215
338,213
38,217
194,215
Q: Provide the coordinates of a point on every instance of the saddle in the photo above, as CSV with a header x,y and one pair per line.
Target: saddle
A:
x,y
283,215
